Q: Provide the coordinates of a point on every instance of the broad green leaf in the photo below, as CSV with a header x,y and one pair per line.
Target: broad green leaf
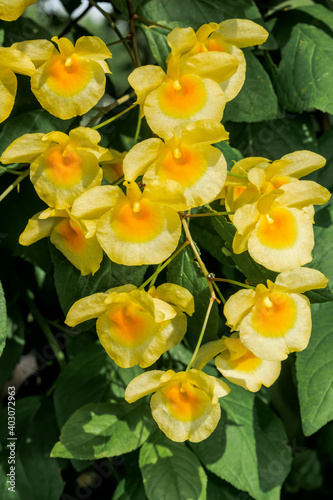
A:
x,y
305,71
25,409
306,472
275,138
324,176
196,12
248,448
131,487
171,471
99,430
184,271
37,476
82,381
23,29
108,276
314,368
250,105
217,489
14,343
3,320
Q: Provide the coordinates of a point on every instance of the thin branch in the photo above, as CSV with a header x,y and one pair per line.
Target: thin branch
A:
x,y
113,118
111,22
72,22
132,30
106,109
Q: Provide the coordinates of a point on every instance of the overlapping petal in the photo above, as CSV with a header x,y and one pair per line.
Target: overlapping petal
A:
x,y
71,80
69,235
185,404
11,61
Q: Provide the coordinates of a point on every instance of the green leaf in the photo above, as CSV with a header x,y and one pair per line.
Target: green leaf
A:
x,y
230,154
276,138
37,477
217,489
3,320
248,448
250,105
14,343
82,381
171,471
306,473
314,368
100,430
23,29
196,12
184,271
306,70
108,276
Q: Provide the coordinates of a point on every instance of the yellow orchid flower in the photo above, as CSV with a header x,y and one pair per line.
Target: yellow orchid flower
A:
x,y
187,165
226,38
136,327
186,93
238,364
274,321
133,229
74,238
274,210
69,81
260,176
185,404
11,61
62,166
13,9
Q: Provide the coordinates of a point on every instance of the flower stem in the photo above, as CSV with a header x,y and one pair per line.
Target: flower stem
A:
x,y
115,104
219,293
237,175
113,118
146,21
199,260
186,216
203,329
233,282
138,127
59,355
15,183
111,22
162,266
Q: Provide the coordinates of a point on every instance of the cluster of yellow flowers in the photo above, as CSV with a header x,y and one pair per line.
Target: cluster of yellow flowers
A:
x,y
270,207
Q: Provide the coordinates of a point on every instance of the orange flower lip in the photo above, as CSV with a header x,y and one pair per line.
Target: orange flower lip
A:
x,y
184,101
277,229
68,76
63,167
185,401
136,226
129,324
72,234
274,315
187,169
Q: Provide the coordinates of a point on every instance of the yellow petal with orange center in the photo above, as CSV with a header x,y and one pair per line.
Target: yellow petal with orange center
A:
x,y
128,324
69,76
183,100
63,167
186,169
136,226
274,315
277,229
184,401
